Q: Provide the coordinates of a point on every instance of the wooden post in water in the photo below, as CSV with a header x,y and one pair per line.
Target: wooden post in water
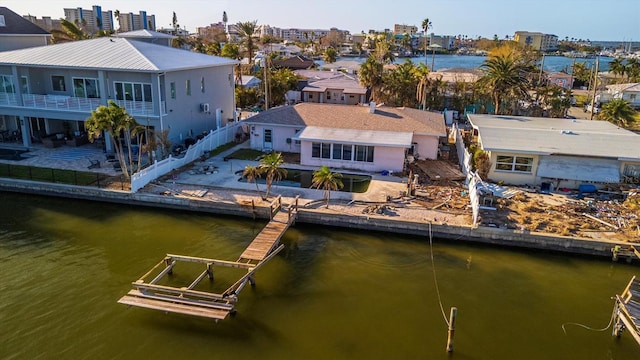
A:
x,y
210,271
452,327
167,262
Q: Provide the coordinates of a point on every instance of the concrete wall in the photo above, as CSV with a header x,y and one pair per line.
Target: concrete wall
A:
x,y
279,136
427,146
384,158
485,235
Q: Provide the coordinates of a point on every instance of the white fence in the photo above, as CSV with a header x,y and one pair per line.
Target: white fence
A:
x,y
472,179
214,139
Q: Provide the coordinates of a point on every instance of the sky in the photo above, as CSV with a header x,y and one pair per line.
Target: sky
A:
x,y
615,20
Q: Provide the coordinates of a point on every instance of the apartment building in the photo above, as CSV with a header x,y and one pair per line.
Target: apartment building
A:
x,y
90,20
537,40
140,21
404,29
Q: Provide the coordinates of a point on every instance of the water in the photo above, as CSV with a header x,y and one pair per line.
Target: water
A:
x,y
331,294
354,183
551,63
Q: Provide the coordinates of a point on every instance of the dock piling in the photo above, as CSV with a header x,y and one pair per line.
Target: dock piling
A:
x,y
452,328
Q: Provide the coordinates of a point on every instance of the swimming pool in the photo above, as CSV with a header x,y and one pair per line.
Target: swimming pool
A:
x,y
356,183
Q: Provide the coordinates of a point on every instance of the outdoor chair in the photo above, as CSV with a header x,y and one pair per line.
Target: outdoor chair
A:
x,y
93,164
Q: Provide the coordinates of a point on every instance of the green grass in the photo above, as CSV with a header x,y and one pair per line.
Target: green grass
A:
x,y
222,148
246,154
51,175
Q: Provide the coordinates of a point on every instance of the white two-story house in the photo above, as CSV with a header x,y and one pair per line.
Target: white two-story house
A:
x,y
53,89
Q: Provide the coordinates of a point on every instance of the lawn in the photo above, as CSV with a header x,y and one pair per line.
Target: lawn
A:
x,y
52,175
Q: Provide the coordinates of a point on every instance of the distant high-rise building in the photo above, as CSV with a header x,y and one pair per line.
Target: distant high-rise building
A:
x,y
141,21
90,21
46,22
404,29
536,40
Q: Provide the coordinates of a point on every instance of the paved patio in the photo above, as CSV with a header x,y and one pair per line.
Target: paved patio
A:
x,y
64,157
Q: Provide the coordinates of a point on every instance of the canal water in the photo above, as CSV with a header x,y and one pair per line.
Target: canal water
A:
x,y
551,63
331,294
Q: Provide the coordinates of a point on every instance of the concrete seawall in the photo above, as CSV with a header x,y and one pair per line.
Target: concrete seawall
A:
x,y
486,235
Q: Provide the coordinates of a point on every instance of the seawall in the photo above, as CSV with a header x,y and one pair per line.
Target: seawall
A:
x,y
486,235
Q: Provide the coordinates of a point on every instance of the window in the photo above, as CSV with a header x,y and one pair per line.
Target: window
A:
x,y
188,84
133,91
25,85
364,153
514,164
202,84
632,97
337,151
310,96
328,96
321,150
297,142
6,85
173,89
86,88
58,83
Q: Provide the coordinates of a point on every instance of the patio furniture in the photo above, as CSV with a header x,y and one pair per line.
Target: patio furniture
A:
x,y
94,164
52,141
78,140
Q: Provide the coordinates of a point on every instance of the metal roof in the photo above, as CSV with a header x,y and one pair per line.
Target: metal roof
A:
x,y
144,33
546,136
108,53
357,137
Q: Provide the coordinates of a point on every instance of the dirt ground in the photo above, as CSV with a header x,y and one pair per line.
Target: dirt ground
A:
x,y
600,216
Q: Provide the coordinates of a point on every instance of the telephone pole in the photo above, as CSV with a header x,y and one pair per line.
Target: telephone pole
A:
x,y
595,87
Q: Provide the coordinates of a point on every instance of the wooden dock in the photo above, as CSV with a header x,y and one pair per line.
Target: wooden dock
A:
x,y
629,253
627,311
185,300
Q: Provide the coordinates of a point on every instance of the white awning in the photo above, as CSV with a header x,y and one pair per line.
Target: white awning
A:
x,y
356,137
580,169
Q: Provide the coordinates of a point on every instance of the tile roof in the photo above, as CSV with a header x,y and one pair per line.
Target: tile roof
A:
x,y
355,117
111,53
17,25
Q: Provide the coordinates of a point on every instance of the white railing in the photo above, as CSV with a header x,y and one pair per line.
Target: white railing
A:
x,y
59,102
8,99
136,107
214,139
69,103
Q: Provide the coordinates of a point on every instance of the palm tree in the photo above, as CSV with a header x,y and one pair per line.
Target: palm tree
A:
x,y
426,25
270,167
252,174
330,55
246,31
112,120
617,67
370,76
327,180
618,112
503,79
69,32
399,85
117,15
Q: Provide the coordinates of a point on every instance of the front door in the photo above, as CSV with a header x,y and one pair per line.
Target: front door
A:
x,y
267,143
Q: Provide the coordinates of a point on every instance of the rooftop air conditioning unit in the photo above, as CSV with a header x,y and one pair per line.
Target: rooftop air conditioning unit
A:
x,y
204,108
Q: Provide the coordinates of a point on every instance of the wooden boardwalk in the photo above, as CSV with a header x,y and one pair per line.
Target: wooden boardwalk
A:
x,y
185,300
627,311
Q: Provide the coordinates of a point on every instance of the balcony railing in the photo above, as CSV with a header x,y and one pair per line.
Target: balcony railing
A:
x,y
68,103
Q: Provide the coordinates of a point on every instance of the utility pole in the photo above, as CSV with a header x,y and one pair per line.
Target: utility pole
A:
x,y
595,87
541,70
266,81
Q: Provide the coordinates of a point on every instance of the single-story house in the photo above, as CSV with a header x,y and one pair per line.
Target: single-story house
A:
x,y
629,92
368,138
561,79
249,81
335,91
294,63
564,152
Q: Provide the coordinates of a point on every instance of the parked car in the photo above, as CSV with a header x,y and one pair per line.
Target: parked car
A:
x,y
596,109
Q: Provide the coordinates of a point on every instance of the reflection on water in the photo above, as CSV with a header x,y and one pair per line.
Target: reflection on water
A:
x,y
332,294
